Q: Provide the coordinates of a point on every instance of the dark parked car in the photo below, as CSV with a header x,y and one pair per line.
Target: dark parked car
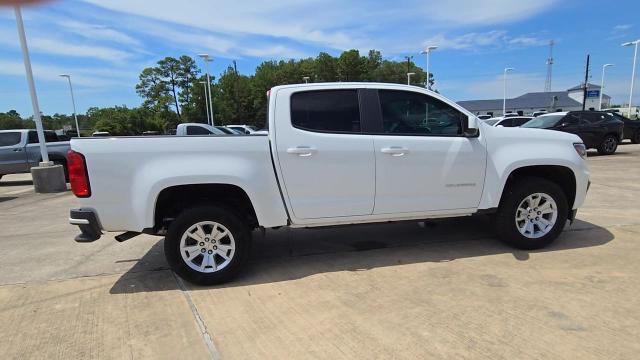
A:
x,y
597,129
631,128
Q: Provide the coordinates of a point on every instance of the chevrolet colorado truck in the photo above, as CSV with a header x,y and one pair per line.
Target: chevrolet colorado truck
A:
x,y
20,150
335,154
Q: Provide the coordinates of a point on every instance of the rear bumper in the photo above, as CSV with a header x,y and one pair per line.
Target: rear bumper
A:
x,y
87,221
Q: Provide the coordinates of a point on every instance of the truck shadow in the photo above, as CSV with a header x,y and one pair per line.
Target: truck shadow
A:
x,y
290,254
4,183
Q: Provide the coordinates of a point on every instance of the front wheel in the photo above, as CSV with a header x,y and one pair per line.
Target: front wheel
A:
x,y
608,146
532,213
207,245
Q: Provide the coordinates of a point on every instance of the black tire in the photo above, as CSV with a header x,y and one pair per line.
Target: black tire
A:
x,y
636,137
505,218
608,145
188,218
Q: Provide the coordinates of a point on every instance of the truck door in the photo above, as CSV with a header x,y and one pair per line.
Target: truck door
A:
x,y
327,163
13,158
423,161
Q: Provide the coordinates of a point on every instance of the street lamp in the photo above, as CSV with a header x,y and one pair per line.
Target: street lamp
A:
x,y
633,72
504,98
207,60
409,77
206,101
73,102
305,79
427,51
602,85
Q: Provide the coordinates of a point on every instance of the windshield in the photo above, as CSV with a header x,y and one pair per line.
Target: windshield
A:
x,y
543,122
492,121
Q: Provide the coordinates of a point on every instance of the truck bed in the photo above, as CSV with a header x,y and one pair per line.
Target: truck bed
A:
x,y
126,174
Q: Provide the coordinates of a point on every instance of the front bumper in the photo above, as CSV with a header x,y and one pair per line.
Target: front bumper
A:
x,y
87,221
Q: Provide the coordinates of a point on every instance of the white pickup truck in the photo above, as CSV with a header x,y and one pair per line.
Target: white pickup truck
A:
x,y
335,153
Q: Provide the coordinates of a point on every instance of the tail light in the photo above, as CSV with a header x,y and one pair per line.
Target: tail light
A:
x,y
78,175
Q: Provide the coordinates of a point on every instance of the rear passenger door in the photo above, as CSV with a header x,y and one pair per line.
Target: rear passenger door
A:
x,y
12,155
326,161
424,163
591,128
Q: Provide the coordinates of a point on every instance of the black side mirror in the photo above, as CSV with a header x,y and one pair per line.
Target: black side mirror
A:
x,y
471,132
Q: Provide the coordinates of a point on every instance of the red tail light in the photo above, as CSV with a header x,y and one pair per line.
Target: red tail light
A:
x,y
78,176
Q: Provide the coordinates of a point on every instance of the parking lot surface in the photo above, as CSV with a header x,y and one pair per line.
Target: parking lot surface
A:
x,y
439,289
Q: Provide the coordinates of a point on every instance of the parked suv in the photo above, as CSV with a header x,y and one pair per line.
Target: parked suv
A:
x,y
631,128
597,129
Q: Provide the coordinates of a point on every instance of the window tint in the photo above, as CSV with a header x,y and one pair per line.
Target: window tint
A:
x,y
50,136
520,121
9,138
593,117
33,137
331,111
405,112
197,130
506,123
570,119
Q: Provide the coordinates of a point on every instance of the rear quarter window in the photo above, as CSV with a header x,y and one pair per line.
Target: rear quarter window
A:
x,y
9,138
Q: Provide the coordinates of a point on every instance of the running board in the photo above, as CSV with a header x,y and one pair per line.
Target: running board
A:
x,y
127,235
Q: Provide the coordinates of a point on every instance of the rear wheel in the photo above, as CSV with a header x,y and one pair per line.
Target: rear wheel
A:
x,y
207,245
64,167
532,213
608,145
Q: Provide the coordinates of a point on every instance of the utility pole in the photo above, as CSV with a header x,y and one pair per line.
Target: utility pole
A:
x,y
584,90
547,82
408,63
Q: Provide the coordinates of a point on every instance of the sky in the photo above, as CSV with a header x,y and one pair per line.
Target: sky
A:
x,y
105,44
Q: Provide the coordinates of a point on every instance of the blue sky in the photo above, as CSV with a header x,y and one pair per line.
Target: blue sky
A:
x,y
105,44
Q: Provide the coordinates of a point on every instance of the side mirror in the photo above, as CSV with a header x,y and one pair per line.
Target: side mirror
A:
x,y
564,124
471,129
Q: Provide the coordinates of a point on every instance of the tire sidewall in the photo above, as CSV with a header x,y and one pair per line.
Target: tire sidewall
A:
x,y
603,150
505,219
241,237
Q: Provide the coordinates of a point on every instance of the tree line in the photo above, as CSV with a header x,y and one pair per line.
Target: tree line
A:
x,y
173,92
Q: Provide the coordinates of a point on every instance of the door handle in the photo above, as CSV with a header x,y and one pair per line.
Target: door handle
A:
x,y
302,151
395,150
17,150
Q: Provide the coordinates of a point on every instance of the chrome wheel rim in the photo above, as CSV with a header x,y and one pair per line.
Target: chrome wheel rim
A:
x,y
207,247
610,144
536,215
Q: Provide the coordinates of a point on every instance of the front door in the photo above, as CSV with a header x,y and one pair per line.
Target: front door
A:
x,y
12,153
423,162
327,163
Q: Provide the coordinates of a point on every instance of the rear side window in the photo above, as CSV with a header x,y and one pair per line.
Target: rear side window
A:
x,y
520,121
411,113
197,130
326,111
506,122
9,138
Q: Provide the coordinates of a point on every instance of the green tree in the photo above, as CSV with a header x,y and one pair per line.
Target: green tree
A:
x,y
351,66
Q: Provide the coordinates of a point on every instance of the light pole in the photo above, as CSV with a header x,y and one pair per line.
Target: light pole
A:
x,y
73,102
409,77
602,85
207,60
206,101
427,51
504,97
32,87
633,72
305,79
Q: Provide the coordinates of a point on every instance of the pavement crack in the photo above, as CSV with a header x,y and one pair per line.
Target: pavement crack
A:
x,y
208,340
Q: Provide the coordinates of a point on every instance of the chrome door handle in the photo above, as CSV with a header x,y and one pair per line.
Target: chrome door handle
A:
x,y
17,150
303,151
394,150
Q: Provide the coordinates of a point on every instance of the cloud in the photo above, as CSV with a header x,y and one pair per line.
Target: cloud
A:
x,y
97,32
54,45
622,27
474,40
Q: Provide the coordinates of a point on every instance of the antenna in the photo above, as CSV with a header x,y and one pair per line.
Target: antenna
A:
x,y
547,82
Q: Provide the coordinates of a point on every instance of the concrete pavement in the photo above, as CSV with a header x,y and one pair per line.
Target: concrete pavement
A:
x,y
447,289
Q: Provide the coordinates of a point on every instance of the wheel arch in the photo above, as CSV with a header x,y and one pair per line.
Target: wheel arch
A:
x,y
172,200
561,175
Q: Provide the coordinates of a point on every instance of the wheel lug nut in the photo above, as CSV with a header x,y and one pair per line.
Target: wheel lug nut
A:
x,y
201,244
203,250
539,213
210,252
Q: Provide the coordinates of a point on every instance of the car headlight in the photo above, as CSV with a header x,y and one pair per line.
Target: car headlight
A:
x,y
581,150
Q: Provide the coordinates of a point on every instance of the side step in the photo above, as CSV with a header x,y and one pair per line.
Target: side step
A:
x,y
127,235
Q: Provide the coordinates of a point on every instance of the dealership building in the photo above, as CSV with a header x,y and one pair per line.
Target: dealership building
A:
x,y
551,101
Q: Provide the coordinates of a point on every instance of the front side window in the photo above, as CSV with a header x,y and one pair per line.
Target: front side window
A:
x,y
326,111
9,138
410,113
